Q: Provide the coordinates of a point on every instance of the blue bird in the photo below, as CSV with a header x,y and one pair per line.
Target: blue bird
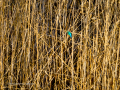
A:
x,y
69,33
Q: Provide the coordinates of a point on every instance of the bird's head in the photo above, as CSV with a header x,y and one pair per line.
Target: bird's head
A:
x,y
68,32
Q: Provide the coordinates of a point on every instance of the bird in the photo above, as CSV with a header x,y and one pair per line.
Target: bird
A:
x,y
69,33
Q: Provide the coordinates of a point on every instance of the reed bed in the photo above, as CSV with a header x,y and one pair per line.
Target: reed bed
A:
x,y
36,53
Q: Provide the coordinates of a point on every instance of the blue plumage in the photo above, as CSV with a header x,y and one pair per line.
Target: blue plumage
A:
x,y
69,33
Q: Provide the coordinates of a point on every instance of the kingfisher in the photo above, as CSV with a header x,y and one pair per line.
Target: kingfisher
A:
x,y
69,33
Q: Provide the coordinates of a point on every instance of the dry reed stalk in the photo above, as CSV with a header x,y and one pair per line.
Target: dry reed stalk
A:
x,y
37,53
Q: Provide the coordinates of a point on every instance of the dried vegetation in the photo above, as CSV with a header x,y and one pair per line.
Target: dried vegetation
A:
x,y
36,52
